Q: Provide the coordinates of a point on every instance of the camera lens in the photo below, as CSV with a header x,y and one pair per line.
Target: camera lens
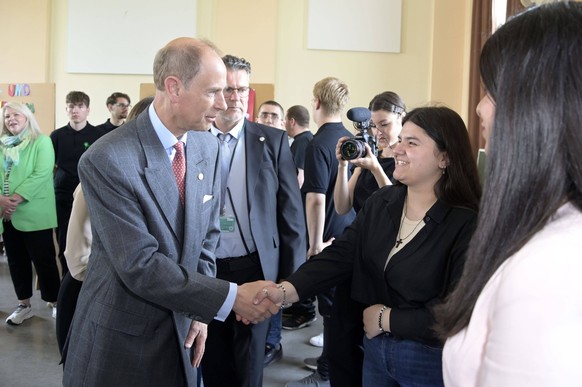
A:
x,y
352,149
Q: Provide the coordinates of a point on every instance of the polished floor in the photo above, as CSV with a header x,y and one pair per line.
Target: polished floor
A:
x,y
29,356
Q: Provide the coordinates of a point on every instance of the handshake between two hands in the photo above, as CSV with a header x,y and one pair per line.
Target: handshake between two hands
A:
x,y
257,301
254,302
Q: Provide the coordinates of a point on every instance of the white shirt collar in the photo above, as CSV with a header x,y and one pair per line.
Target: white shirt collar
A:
x,y
166,137
234,132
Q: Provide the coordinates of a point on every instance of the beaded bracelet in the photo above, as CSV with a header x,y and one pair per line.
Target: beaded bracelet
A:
x,y
384,307
283,303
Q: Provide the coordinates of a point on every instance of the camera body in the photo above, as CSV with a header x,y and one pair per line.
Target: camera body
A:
x,y
355,148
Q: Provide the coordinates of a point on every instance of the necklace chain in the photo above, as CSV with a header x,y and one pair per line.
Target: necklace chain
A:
x,y
399,239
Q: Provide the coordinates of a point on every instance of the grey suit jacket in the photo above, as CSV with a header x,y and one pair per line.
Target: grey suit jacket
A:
x,y
143,286
276,214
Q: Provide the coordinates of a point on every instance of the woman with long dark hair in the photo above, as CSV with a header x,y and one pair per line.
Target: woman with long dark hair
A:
x,y
369,173
516,317
405,251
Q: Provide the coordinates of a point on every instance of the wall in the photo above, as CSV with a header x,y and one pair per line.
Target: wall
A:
x,y
366,73
272,35
97,86
451,47
25,44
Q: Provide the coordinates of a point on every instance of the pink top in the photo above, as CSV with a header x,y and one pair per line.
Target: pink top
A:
x,y
526,328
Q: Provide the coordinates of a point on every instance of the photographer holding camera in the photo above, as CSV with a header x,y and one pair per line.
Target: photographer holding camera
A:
x,y
370,172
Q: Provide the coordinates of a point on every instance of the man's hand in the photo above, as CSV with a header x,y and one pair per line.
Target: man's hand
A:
x,y
197,334
247,308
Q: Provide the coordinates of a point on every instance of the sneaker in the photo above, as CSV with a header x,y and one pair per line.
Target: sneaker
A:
x,y
311,380
317,341
55,311
291,322
273,353
21,313
311,363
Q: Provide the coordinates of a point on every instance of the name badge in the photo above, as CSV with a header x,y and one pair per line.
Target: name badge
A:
x,y
227,223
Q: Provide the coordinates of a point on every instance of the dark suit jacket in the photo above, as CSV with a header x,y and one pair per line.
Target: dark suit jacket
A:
x,y
276,212
416,278
143,286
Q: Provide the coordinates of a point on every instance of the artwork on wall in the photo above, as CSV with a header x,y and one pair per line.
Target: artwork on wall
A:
x,y
123,36
354,25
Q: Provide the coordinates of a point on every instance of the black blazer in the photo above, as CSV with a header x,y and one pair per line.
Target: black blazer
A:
x,y
416,278
276,214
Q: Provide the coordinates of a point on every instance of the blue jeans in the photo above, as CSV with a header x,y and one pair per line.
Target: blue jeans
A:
x,y
389,361
274,334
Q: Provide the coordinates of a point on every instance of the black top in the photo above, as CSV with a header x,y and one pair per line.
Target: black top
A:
x,y
321,173
418,277
69,145
299,146
367,184
107,126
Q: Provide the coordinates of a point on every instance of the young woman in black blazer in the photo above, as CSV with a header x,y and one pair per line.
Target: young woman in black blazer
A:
x,y
405,251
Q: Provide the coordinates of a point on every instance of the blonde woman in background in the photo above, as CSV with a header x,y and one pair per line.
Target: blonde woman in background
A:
x,y
27,208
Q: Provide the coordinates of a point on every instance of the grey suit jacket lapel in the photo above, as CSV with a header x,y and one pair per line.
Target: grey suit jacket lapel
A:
x,y
254,142
160,176
193,207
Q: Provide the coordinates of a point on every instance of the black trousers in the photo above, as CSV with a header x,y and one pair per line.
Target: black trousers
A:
x,y
24,248
345,351
325,303
235,352
67,301
64,201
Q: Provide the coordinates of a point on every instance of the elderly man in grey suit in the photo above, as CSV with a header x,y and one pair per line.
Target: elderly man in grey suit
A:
x,y
262,223
153,192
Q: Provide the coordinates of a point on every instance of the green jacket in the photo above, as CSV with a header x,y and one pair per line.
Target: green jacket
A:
x,y
32,179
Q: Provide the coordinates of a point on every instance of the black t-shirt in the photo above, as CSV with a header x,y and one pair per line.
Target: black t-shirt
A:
x,y
321,173
299,146
69,145
107,126
367,184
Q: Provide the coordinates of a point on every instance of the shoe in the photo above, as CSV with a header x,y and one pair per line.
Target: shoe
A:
x,y
291,322
311,363
317,341
55,311
272,354
21,313
311,380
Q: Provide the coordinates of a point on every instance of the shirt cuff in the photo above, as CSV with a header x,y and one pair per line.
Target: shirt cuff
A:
x,y
226,308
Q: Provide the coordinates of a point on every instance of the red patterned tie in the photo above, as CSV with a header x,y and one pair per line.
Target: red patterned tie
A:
x,y
179,166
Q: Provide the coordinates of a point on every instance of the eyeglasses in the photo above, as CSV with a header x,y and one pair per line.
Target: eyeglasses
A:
x,y
122,105
242,91
272,116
